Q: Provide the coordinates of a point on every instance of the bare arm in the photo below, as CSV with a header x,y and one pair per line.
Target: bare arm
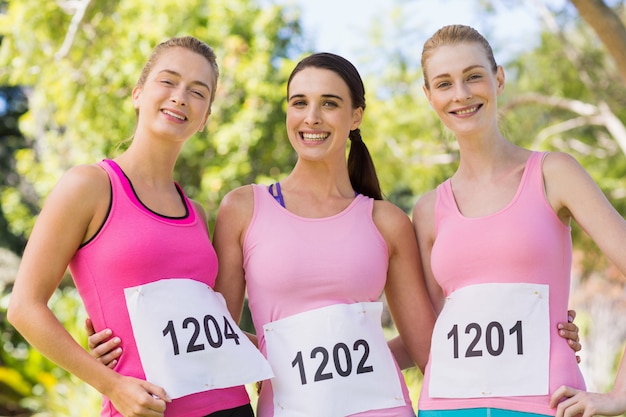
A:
x,y
424,226
573,194
232,222
572,402
72,212
405,290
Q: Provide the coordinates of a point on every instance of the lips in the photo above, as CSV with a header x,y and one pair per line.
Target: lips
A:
x,y
314,137
466,111
175,115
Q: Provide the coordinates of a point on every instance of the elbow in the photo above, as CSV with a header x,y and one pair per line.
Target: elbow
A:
x,y
16,313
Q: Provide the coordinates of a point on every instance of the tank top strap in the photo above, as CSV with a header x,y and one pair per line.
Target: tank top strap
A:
x,y
532,185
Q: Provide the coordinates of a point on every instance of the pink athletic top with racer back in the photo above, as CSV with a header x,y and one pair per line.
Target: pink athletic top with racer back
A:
x,y
525,242
295,264
136,246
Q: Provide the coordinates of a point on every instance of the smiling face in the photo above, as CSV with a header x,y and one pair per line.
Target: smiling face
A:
x,y
320,114
462,87
174,100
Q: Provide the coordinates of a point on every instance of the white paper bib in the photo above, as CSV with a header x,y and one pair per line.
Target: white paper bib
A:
x,y
492,340
188,341
332,362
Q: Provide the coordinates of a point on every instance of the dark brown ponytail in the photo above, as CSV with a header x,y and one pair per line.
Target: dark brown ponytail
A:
x,y
361,168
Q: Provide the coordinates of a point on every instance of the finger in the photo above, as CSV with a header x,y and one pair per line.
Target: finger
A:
x,y
110,347
158,393
157,404
578,359
569,327
572,339
107,351
97,339
571,315
89,327
111,359
560,395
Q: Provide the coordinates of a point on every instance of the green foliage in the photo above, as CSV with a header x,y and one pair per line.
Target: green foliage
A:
x,y
577,70
80,107
80,112
29,381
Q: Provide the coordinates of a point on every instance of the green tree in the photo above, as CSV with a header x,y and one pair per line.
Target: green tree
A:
x,y
78,62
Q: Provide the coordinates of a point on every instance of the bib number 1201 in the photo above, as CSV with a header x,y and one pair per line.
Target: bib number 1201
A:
x,y
494,338
341,353
214,333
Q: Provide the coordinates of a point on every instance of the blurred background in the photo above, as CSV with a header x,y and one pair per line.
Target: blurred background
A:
x,y
67,68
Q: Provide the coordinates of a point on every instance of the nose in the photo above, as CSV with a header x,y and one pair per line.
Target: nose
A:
x,y
312,116
462,92
179,96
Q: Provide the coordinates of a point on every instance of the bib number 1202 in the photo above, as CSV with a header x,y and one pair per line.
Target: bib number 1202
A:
x,y
341,353
214,333
494,338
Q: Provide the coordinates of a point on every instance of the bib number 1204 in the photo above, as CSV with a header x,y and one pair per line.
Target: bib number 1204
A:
x,y
214,333
341,353
494,338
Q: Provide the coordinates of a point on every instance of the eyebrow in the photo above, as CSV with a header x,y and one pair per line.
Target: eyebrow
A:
x,y
471,67
197,82
323,95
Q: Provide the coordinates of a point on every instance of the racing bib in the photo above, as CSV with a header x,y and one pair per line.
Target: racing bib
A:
x,y
492,340
332,362
187,339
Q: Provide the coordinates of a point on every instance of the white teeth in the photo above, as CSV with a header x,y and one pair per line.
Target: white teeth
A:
x,y
314,136
467,111
179,117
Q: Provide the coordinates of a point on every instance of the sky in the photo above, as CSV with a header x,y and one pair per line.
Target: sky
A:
x,y
344,26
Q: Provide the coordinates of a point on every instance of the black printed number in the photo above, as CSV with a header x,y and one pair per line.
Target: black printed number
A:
x,y
494,339
213,333
342,359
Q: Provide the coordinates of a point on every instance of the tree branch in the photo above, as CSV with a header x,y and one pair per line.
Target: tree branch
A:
x,y
608,27
600,115
79,7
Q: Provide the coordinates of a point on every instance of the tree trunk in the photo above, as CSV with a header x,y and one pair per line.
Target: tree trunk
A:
x,y
609,28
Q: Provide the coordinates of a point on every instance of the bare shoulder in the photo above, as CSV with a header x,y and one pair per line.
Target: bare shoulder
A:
x,y
76,206
239,200
565,180
86,183
424,212
389,218
235,211
425,206
560,164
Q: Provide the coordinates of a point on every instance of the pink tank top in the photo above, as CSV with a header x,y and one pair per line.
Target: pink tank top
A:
x,y
136,246
294,264
525,242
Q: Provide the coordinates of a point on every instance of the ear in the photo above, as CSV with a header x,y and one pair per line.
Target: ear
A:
x,y
357,117
500,79
136,96
426,92
206,118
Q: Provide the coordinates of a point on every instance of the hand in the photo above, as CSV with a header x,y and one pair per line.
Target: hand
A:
x,y
575,402
134,397
102,346
570,332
